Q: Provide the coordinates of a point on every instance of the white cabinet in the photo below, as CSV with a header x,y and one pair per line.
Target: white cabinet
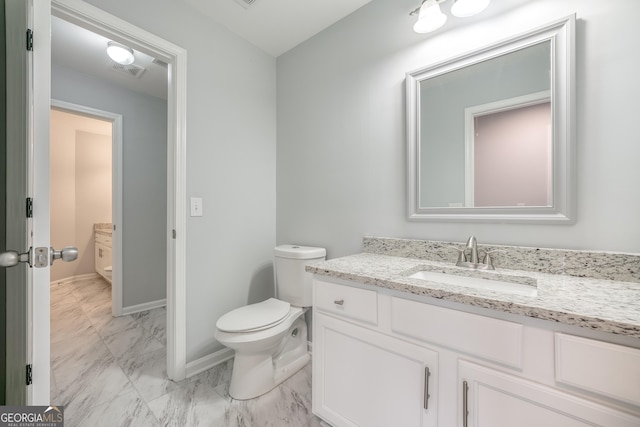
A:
x,y
491,398
603,368
371,351
363,377
102,256
370,379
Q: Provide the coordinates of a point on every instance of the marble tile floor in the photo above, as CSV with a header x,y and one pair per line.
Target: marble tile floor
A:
x,y
111,372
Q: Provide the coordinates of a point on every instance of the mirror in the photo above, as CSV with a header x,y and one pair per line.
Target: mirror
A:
x,y
490,133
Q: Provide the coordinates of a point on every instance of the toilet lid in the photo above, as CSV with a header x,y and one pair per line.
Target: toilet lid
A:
x,y
254,316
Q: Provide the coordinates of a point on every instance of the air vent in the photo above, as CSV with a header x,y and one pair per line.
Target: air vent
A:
x,y
246,3
160,63
131,70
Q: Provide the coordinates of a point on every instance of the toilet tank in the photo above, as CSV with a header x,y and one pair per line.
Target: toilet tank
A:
x,y
293,283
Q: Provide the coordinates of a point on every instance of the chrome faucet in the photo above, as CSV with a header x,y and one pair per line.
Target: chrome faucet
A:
x,y
474,260
472,244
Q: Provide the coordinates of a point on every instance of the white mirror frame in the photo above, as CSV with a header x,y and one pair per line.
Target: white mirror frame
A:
x,y
561,35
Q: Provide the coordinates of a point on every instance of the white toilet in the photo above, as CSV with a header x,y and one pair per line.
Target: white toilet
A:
x,y
270,337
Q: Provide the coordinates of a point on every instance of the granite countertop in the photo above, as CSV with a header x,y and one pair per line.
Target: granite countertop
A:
x,y
597,304
104,228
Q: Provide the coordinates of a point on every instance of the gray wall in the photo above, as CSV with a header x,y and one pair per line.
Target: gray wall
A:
x,y
144,198
230,162
341,127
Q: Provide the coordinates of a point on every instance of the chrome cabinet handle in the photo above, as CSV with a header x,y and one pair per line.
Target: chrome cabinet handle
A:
x,y
465,404
427,374
339,302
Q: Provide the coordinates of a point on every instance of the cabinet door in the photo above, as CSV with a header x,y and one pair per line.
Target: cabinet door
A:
x,y
496,399
106,262
364,378
106,257
98,259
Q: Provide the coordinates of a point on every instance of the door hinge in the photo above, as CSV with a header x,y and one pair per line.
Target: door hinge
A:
x,y
173,233
29,207
29,39
29,374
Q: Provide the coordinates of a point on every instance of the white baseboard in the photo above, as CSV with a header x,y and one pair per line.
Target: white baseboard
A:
x,y
208,361
144,306
73,278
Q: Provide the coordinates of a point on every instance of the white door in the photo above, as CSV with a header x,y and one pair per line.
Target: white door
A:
x,y
17,224
28,100
363,378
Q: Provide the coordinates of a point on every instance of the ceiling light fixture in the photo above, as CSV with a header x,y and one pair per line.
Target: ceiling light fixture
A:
x,y
120,53
430,17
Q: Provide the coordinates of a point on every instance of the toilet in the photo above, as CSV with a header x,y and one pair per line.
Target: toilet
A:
x,y
270,337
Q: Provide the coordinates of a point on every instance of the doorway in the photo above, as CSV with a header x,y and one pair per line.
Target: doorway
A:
x,y
139,221
86,189
174,58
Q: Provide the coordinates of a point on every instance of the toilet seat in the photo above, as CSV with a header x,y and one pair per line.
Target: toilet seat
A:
x,y
254,317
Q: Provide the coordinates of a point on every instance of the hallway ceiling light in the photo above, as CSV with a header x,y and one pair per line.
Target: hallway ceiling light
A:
x,y
120,53
430,17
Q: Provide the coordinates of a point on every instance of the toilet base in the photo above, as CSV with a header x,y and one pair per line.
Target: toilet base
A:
x,y
255,374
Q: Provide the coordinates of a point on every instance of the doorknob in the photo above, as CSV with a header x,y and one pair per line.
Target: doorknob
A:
x,y
38,257
34,257
66,254
12,258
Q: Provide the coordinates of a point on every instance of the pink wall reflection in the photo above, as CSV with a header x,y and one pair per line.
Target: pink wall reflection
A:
x,y
513,157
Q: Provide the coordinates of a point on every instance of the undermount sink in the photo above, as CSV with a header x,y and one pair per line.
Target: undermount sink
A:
x,y
517,285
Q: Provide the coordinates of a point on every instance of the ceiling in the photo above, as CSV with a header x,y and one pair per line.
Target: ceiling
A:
x,y
276,26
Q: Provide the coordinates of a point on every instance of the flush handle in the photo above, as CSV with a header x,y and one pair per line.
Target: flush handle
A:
x,y
339,302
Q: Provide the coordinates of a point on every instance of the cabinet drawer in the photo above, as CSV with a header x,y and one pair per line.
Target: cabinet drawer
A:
x,y
608,369
492,339
347,301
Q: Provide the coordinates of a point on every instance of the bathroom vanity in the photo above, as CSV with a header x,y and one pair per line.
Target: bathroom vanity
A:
x,y
392,347
103,248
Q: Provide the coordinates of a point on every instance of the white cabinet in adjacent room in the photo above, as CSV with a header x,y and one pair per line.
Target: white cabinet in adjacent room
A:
x,y
102,256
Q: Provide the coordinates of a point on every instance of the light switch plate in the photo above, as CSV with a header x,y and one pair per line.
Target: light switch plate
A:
x,y
196,206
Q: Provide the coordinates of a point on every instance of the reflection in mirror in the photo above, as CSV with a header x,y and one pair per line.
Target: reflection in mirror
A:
x,y
489,133
508,155
472,94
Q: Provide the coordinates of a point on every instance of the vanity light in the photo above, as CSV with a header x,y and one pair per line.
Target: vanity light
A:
x,y
120,53
430,17
465,8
